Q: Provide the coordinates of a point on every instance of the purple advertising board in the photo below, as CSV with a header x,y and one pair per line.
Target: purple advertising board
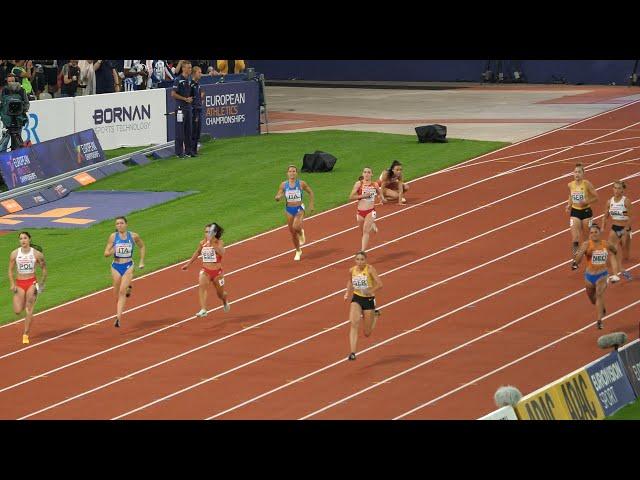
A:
x,y
228,110
630,356
50,158
610,382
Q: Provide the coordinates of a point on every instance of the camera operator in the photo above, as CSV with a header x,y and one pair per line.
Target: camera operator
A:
x,y
23,72
14,105
70,76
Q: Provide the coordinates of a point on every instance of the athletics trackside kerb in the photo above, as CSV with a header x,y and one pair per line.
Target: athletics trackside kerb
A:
x,y
350,203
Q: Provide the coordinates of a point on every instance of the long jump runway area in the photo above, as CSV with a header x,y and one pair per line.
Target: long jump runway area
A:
x,y
83,209
477,293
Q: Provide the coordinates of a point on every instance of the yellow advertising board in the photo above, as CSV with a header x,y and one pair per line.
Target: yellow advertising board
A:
x,y
544,404
579,397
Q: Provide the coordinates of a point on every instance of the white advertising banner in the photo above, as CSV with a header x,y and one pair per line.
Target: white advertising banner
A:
x,y
125,119
49,119
504,413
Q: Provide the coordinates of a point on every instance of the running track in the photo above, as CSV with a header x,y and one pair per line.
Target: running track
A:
x,y
477,293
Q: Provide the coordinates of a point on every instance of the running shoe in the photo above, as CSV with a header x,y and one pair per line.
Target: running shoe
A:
x,y
614,278
202,313
128,294
227,307
301,237
25,339
404,200
352,356
599,324
117,323
298,255
574,266
626,275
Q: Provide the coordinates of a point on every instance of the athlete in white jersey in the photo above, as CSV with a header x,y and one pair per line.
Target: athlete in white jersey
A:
x,y
619,211
25,287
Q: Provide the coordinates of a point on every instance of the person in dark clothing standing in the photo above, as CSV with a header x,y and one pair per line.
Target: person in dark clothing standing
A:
x,y
70,76
182,93
197,95
106,77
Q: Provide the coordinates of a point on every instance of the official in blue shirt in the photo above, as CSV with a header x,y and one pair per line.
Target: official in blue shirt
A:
x,y
184,118
197,95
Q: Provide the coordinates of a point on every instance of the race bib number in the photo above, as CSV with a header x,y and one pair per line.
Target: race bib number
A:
x,y
577,197
293,195
360,282
209,255
221,282
373,214
123,250
618,213
26,267
599,257
369,193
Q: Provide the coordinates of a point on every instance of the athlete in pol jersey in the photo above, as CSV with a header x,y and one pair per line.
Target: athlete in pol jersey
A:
x,y
581,196
212,250
619,211
365,191
292,190
25,287
121,245
597,253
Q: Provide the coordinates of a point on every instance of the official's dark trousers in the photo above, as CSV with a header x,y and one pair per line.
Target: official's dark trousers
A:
x,y
196,129
183,132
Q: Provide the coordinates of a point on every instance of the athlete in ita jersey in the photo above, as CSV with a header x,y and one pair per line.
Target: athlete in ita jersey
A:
x,y
595,275
365,191
25,287
361,288
212,249
121,245
619,211
292,190
581,196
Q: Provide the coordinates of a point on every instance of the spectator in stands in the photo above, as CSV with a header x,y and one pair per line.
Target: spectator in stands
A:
x,y
136,75
51,76
23,71
161,75
87,77
70,78
226,66
3,73
107,80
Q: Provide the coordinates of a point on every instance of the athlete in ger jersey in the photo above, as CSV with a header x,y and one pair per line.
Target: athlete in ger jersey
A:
x,y
581,196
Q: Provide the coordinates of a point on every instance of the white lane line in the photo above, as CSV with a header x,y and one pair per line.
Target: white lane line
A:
x,y
346,322
405,209
45,374
517,360
450,351
445,170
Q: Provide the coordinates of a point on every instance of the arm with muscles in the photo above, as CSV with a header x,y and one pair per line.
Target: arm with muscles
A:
x,y
377,283
195,255
379,190
280,193
627,227
218,246
140,244
614,258
570,202
177,96
400,190
305,186
580,253
116,80
349,291
108,250
592,195
65,75
605,215
354,192
12,266
43,266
